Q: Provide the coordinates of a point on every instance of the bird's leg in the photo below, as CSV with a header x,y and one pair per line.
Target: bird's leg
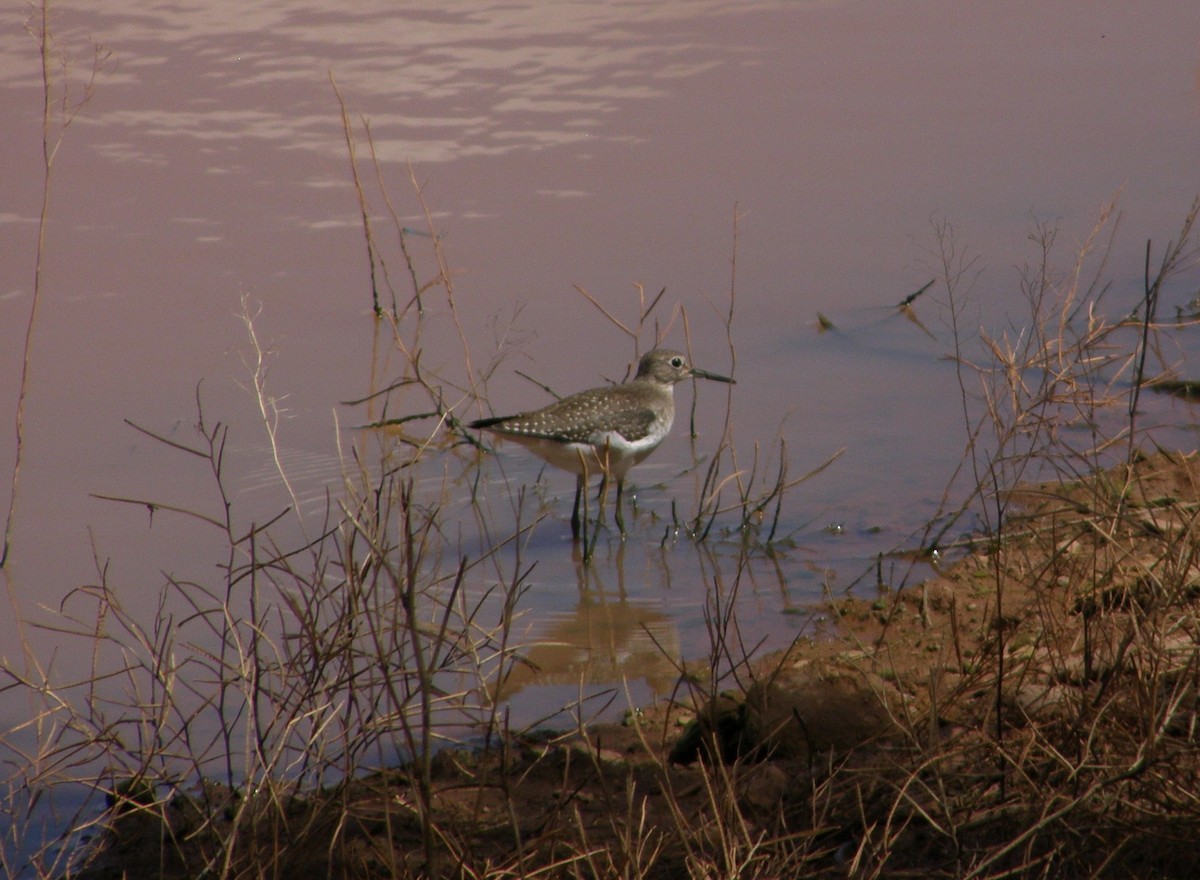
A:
x,y
579,488
579,520
619,517
603,495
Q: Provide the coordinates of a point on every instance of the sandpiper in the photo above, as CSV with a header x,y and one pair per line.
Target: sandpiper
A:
x,y
607,429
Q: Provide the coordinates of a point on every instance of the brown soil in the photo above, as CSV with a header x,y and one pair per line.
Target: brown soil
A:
x,y
1031,712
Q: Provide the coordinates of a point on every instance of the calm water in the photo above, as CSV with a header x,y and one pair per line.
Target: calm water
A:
x,y
603,145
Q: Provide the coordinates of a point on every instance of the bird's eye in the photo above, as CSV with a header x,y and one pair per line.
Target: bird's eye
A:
x,y
677,362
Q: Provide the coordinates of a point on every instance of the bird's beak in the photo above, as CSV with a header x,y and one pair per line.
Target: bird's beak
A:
x,y
704,374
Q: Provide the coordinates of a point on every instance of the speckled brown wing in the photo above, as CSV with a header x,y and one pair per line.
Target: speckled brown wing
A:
x,y
580,417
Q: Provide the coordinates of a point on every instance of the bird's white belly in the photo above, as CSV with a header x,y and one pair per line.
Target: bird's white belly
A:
x,y
605,452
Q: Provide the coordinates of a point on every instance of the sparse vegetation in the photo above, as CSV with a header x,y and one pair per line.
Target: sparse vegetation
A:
x,y
327,706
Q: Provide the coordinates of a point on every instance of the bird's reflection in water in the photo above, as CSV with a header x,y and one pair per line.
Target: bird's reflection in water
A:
x,y
604,640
